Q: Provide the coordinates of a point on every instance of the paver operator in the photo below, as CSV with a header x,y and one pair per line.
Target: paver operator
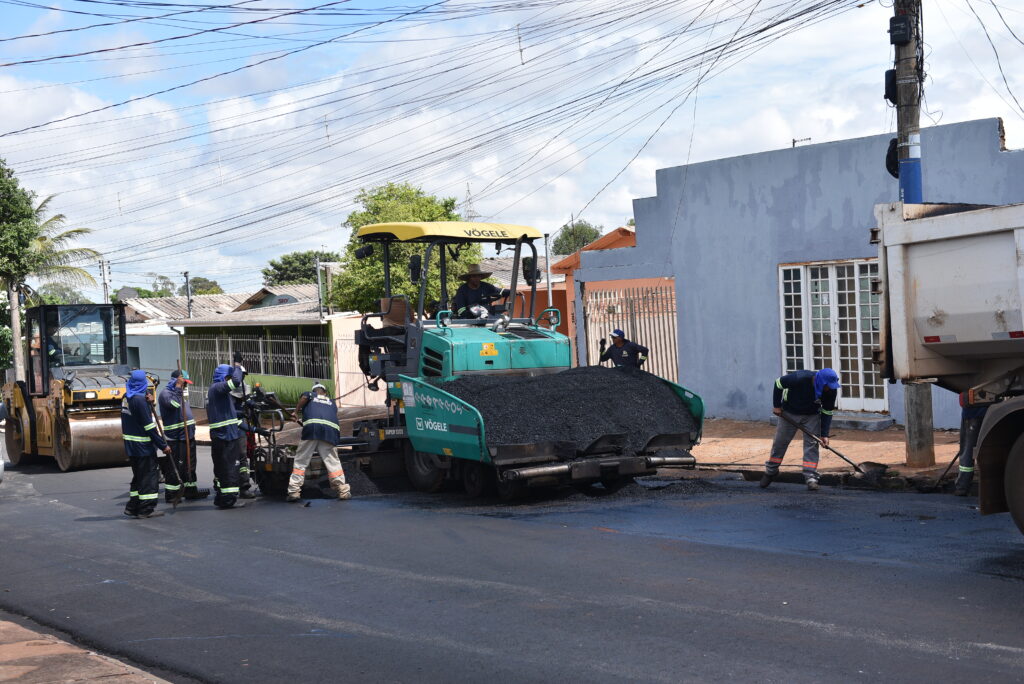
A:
x,y
623,352
177,416
807,398
226,438
475,292
138,427
317,413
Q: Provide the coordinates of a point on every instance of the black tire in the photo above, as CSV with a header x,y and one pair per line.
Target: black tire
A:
x,y
424,475
478,479
604,487
1013,483
510,490
14,441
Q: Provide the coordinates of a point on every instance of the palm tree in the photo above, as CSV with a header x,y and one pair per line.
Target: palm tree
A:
x,y
58,258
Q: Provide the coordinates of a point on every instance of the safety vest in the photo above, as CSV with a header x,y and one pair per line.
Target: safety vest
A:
x,y
320,419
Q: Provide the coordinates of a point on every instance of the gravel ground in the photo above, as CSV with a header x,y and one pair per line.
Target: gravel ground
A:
x,y
577,405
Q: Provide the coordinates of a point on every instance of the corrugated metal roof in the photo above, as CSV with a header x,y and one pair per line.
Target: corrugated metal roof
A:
x,y
501,269
175,308
304,292
283,314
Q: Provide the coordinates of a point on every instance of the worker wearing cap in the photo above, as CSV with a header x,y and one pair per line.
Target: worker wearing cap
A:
x,y
318,415
623,352
177,416
138,427
475,292
807,398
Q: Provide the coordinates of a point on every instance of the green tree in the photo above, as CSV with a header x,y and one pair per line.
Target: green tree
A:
x,y
575,236
60,293
361,282
296,268
630,222
162,285
18,231
57,258
200,286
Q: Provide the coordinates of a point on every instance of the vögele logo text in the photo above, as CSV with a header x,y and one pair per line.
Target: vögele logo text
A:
x,y
432,425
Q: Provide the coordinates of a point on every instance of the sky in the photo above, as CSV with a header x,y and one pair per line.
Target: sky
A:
x,y
214,140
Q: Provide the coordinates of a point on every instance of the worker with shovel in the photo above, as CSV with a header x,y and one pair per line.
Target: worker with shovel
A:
x,y
803,400
140,433
177,416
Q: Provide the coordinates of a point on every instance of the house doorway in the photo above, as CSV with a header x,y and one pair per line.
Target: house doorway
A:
x,y
830,318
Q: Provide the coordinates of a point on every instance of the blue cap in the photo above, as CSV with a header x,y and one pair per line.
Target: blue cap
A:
x,y
618,333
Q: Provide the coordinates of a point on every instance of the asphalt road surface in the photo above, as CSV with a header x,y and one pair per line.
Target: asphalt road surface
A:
x,y
696,580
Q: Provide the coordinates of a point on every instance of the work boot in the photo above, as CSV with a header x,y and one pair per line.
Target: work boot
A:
x,y
293,497
344,491
963,484
192,493
130,514
246,494
812,485
372,386
766,480
151,514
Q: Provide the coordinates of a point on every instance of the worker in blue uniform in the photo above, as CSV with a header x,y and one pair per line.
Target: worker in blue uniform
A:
x,y
226,438
317,413
177,416
623,352
474,292
807,398
138,427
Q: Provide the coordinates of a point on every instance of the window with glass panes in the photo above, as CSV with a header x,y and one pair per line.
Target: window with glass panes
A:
x,y
830,318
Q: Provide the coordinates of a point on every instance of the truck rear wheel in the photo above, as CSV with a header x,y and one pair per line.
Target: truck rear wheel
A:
x,y
1013,483
478,478
423,473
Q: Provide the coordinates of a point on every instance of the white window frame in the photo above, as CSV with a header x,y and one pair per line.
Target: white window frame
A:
x,y
845,403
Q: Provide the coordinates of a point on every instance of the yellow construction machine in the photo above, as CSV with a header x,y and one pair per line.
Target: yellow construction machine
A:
x,y
69,406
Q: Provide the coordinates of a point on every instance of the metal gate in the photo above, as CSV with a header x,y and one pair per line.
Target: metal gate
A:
x,y
295,357
646,314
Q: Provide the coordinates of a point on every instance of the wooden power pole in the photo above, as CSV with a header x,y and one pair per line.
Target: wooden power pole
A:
x,y
905,35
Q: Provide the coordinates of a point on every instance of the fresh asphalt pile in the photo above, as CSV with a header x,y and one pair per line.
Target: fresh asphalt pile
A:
x,y
578,405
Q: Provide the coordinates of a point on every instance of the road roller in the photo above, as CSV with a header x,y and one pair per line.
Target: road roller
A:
x,y
69,406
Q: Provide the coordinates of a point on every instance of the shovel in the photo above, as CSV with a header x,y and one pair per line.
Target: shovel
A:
x,y
870,472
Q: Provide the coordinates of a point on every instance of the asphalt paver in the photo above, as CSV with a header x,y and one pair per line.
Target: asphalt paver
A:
x,y
668,580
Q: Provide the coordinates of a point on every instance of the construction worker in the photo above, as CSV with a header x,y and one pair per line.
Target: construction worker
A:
x,y
317,413
474,292
806,398
177,416
227,440
623,352
138,427
245,484
971,418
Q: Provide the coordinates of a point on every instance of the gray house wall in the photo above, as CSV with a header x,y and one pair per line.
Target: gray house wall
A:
x,y
737,219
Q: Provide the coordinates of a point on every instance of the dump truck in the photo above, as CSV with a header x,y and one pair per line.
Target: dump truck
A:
x,y
952,287
69,407
423,348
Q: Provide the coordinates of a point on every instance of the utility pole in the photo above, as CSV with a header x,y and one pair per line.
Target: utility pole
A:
x,y
319,291
188,293
547,268
105,277
905,35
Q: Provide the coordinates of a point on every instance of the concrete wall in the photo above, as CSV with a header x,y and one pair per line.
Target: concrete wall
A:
x,y
157,353
723,227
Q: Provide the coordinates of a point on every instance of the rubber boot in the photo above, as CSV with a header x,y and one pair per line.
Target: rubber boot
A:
x,y
963,484
766,480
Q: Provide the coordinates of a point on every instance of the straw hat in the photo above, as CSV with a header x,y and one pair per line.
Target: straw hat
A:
x,y
474,270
